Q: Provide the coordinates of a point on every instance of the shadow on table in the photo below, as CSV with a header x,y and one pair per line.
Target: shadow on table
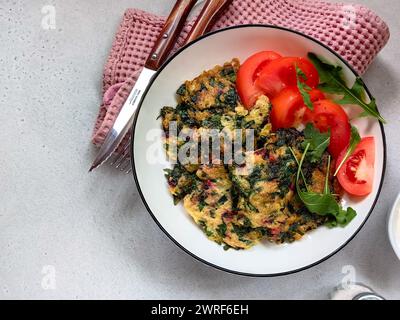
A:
x,y
383,82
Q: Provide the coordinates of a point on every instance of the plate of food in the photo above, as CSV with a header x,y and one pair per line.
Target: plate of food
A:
x,y
258,150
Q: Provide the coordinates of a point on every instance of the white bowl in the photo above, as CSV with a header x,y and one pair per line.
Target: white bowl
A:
x,y
205,53
394,226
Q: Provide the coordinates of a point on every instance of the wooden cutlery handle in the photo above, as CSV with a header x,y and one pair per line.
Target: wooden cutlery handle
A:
x,y
209,12
170,31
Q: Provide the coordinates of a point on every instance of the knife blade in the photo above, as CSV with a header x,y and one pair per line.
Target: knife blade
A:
x,y
163,45
124,120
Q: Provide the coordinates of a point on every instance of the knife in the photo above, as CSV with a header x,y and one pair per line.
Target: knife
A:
x,y
162,47
159,53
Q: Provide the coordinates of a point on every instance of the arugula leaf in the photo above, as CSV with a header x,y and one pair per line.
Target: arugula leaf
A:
x,y
323,203
354,141
343,218
318,142
298,164
326,187
303,87
331,78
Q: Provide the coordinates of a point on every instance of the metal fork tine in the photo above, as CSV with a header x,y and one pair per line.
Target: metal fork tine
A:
x,y
119,160
114,159
122,160
121,155
127,164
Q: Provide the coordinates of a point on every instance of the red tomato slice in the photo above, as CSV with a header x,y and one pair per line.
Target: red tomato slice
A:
x,y
316,95
288,107
249,72
281,73
328,115
356,175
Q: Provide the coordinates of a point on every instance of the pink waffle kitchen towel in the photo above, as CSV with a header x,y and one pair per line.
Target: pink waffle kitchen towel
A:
x,y
353,31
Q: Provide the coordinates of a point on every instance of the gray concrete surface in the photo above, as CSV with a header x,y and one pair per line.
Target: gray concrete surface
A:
x,y
91,231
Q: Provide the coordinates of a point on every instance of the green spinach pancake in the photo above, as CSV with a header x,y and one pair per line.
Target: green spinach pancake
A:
x,y
238,205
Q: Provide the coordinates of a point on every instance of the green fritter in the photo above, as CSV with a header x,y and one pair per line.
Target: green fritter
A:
x,y
239,204
264,188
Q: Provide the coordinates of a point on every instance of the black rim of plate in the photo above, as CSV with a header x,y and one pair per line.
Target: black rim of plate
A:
x,y
172,238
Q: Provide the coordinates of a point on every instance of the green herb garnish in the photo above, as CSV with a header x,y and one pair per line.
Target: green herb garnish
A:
x,y
181,90
318,142
213,122
222,229
354,141
227,247
203,225
323,204
222,200
202,204
303,87
231,97
332,81
241,231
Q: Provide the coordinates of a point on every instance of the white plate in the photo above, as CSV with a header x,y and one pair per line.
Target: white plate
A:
x,y
261,260
394,226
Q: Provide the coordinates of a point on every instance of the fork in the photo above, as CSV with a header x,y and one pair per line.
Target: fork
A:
x,y
122,160
211,9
